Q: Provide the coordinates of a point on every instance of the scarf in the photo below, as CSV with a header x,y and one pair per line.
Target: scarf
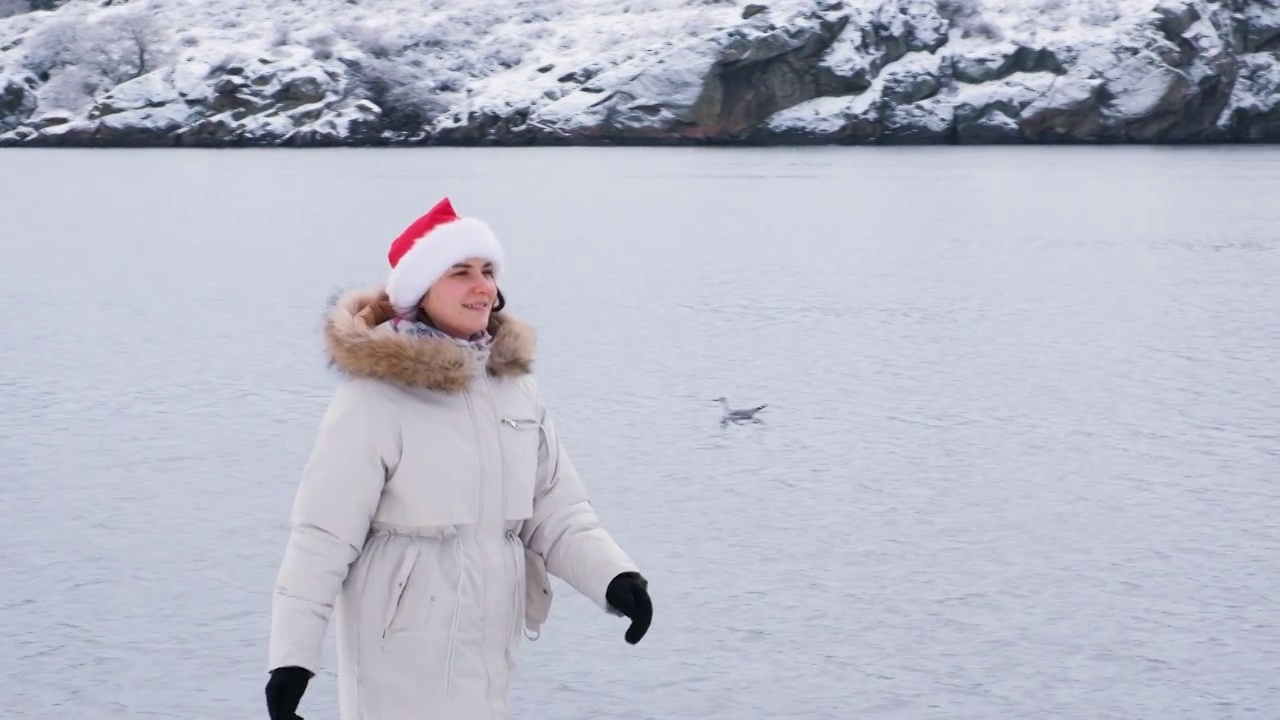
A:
x,y
414,328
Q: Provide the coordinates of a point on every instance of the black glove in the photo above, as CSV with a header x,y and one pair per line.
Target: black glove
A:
x,y
284,692
628,593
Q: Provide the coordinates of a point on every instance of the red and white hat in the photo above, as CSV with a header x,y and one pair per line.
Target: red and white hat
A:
x,y
430,246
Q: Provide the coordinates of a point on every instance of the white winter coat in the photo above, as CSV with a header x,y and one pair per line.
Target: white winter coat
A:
x,y
436,499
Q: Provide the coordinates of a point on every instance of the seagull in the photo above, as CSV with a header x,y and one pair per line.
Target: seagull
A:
x,y
738,416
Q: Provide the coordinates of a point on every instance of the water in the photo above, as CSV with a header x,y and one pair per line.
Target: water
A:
x,y
1020,457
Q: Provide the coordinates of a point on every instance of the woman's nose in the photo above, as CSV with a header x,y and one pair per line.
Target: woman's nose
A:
x,y
484,285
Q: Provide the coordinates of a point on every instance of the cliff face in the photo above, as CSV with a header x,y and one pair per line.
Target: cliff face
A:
x,y
798,71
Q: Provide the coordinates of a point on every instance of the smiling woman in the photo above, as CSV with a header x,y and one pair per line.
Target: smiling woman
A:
x,y
437,498
460,302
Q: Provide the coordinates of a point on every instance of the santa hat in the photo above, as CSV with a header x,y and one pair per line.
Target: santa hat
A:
x,y
430,246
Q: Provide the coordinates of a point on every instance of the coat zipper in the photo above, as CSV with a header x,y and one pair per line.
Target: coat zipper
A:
x,y
457,611
480,486
484,483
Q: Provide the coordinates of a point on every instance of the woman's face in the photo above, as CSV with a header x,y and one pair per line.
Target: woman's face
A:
x,y
460,301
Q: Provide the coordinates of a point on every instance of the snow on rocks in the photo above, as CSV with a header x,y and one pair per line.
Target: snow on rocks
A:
x,y
303,72
1261,25
1254,109
722,85
17,100
1171,75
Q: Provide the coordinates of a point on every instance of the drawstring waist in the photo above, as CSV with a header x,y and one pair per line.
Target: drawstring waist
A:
x,y
445,532
509,540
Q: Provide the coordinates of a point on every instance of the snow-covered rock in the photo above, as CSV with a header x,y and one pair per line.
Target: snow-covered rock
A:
x,y
1067,110
316,72
17,100
1261,25
721,85
1254,109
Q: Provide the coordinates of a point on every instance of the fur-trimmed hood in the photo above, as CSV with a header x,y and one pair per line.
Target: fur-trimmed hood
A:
x,y
361,350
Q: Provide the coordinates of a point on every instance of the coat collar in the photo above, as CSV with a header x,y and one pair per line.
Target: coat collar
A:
x,y
361,350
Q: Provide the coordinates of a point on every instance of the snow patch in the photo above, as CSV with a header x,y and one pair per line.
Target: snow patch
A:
x,y
1064,94
1257,89
820,116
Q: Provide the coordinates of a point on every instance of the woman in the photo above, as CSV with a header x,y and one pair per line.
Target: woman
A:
x,y
436,499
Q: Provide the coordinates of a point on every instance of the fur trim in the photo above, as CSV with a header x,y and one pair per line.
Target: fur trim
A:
x,y
433,254
359,350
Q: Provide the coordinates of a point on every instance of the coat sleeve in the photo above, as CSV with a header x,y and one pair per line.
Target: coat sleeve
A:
x,y
564,529
336,499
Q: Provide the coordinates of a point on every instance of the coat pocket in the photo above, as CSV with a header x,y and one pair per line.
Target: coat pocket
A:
x,y
521,444
410,663
537,596
397,598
